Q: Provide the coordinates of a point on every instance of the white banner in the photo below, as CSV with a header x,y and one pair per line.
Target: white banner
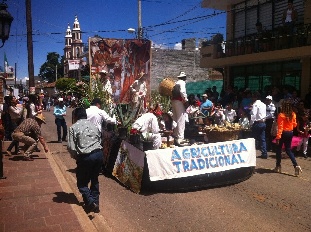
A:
x,y
74,64
201,159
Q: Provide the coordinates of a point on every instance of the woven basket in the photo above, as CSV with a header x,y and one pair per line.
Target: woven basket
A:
x,y
222,136
166,87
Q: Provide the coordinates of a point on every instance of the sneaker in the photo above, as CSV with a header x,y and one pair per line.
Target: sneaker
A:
x,y
277,169
298,170
9,153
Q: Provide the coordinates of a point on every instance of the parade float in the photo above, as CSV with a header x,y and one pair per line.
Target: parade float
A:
x,y
211,155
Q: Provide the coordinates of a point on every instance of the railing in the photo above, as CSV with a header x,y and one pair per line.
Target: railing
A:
x,y
267,42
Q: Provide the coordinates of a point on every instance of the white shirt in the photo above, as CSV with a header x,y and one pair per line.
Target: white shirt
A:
x,y
107,87
229,115
258,112
270,110
139,88
183,93
148,122
97,116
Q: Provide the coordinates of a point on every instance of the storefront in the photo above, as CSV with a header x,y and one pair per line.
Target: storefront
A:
x,y
262,76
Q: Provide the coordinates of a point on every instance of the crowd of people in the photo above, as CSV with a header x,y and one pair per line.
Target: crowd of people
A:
x,y
273,118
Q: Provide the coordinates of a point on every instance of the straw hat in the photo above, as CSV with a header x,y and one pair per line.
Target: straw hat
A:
x,y
41,118
182,74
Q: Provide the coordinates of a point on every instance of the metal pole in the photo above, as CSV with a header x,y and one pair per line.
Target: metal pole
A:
x,y
56,73
140,29
15,72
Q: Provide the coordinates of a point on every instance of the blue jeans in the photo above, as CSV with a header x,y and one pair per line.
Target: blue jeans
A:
x,y
61,123
259,134
88,169
286,139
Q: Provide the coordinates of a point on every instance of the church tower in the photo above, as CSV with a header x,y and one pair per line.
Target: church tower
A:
x,y
73,50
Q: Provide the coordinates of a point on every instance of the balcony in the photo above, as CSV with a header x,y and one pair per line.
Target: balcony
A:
x,y
273,46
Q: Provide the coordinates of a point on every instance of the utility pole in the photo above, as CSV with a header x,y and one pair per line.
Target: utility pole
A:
x,y
32,89
140,28
56,73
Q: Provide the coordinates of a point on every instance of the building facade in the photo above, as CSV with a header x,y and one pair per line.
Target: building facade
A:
x,y
258,61
73,50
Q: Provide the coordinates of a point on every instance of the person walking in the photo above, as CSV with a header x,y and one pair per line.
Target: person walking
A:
x,y
16,114
49,102
84,145
303,132
179,99
270,111
28,132
286,124
60,112
258,116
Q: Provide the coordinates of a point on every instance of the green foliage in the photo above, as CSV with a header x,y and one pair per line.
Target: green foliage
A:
x,y
63,84
163,101
52,67
126,114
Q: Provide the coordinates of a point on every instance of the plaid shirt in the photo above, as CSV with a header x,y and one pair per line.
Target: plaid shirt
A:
x,y
29,127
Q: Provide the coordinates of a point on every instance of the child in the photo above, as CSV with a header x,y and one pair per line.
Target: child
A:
x,y
244,123
303,133
230,113
218,114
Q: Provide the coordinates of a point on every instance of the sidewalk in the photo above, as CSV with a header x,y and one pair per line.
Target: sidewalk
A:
x,y
35,195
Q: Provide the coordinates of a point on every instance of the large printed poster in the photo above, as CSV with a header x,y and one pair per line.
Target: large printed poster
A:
x,y
123,60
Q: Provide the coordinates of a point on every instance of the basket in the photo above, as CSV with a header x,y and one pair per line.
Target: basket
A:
x,y
166,86
222,136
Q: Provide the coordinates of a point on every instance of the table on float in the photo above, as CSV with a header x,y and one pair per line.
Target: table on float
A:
x,y
181,162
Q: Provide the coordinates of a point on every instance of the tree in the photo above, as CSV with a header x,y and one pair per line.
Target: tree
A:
x,y
52,67
63,84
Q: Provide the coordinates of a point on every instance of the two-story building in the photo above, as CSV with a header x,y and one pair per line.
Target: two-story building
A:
x,y
277,58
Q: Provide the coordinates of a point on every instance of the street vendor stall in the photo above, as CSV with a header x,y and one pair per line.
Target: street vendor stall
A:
x,y
185,168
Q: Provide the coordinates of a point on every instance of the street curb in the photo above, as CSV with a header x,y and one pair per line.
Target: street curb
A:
x,y
89,222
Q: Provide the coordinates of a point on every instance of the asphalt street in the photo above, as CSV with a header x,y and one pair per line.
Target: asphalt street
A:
x,y
267,201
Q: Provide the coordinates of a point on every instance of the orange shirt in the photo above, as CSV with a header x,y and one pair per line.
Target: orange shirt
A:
x,y
285,124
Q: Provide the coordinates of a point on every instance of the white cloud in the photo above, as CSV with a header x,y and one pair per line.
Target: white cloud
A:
x,y
178,46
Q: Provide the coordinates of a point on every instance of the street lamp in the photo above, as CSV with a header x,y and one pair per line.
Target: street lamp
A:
x,y
5,23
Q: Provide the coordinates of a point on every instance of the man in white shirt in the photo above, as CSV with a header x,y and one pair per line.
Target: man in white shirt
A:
x,y
258,116
97,116
179,98
148,125
270,110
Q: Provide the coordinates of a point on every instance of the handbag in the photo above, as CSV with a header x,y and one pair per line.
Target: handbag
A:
x,y
274,128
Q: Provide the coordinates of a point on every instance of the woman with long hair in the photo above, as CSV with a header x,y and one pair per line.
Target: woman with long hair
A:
x,y
286,124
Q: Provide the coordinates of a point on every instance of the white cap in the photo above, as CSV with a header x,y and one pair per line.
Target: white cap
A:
x,y
269,97
60,99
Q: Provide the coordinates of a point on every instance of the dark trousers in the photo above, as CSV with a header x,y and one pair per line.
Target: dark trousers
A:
x,y
259,133
88,169
61,123
269,137
286,139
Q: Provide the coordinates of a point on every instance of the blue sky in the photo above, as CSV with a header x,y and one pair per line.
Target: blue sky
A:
x,y
167,22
